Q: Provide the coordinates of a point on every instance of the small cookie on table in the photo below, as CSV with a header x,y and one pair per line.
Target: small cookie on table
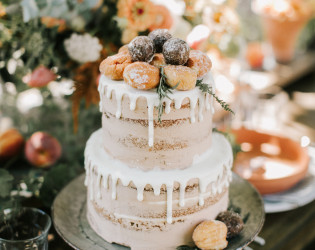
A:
x,y
114,66
141,75
210,235
184,77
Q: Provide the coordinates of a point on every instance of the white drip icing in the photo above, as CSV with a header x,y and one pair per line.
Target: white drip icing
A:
x,y
208,106
208,170
120,89
169,203
193,102
114,186
98,183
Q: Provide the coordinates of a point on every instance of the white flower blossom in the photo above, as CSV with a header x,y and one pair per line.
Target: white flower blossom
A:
x,y
83,48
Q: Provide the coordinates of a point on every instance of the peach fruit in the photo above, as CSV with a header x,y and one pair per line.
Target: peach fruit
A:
x,y
42,149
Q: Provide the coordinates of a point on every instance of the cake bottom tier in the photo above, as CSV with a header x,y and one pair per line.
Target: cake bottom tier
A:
x,y
157,209
159,235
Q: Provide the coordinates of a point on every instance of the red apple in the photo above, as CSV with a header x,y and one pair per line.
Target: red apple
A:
x,y
11,143
42,149
40,77
255,55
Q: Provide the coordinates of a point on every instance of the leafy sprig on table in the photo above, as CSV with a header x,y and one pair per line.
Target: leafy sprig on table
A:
x,y
163,91
208,89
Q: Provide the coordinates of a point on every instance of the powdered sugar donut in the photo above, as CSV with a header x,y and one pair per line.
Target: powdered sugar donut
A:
x,y
141,75
114,66
199,61
176,51
184,76
141,48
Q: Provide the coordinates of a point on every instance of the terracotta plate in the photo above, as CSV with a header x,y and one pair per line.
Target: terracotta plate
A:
x,y
69,216
271,163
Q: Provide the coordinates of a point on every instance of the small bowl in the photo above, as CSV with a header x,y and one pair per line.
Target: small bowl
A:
x,y
271,163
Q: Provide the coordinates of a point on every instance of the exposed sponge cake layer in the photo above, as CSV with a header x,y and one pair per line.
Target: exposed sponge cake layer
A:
x,y
115,187
133,134
154,234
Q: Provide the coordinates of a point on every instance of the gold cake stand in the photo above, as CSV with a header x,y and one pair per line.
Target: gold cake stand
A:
x,y
69,216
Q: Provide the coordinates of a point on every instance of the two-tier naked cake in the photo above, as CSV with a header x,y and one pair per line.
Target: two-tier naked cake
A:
x,y
155,169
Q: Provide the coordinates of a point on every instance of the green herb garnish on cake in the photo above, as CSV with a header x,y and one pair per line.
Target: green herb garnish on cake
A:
x,y
208,89
163,91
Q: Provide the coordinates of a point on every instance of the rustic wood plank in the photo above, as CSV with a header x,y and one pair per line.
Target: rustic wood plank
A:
x,y
280,228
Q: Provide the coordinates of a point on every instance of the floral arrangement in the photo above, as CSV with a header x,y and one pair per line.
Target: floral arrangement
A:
x,y
216,24
50,53
285,9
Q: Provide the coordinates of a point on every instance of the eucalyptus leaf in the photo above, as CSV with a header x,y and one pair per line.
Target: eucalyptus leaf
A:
x,y
55,8
30,10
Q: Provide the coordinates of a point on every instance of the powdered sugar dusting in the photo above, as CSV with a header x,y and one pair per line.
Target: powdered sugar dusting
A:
x,y
139,77
176,51
201,60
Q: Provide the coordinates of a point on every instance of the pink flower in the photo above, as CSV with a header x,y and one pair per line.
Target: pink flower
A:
x,y
40,77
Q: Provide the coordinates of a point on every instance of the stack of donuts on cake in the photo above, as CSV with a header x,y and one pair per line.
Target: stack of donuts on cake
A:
x,y
156,169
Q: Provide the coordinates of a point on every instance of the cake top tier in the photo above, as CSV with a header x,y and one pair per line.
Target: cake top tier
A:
x,y
118,89
159,62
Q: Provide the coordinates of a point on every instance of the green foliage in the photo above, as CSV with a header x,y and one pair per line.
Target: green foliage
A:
x,y
53,117
6,180
29,43
55,180
163,91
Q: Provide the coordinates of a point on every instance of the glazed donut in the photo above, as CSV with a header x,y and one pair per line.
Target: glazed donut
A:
x,y
114,66
199,61
123,49
184,76
141,75
158,60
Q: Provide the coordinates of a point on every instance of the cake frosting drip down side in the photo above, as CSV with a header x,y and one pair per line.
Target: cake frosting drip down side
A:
x,y
143,234
132,133
139,208
211,174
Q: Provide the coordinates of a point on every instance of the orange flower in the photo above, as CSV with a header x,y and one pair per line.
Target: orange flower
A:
x,y
51,22
163,18
122,8
140,14
128,34
2,10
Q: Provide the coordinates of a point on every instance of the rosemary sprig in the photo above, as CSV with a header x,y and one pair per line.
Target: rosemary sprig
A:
x,y
208,89
163,90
